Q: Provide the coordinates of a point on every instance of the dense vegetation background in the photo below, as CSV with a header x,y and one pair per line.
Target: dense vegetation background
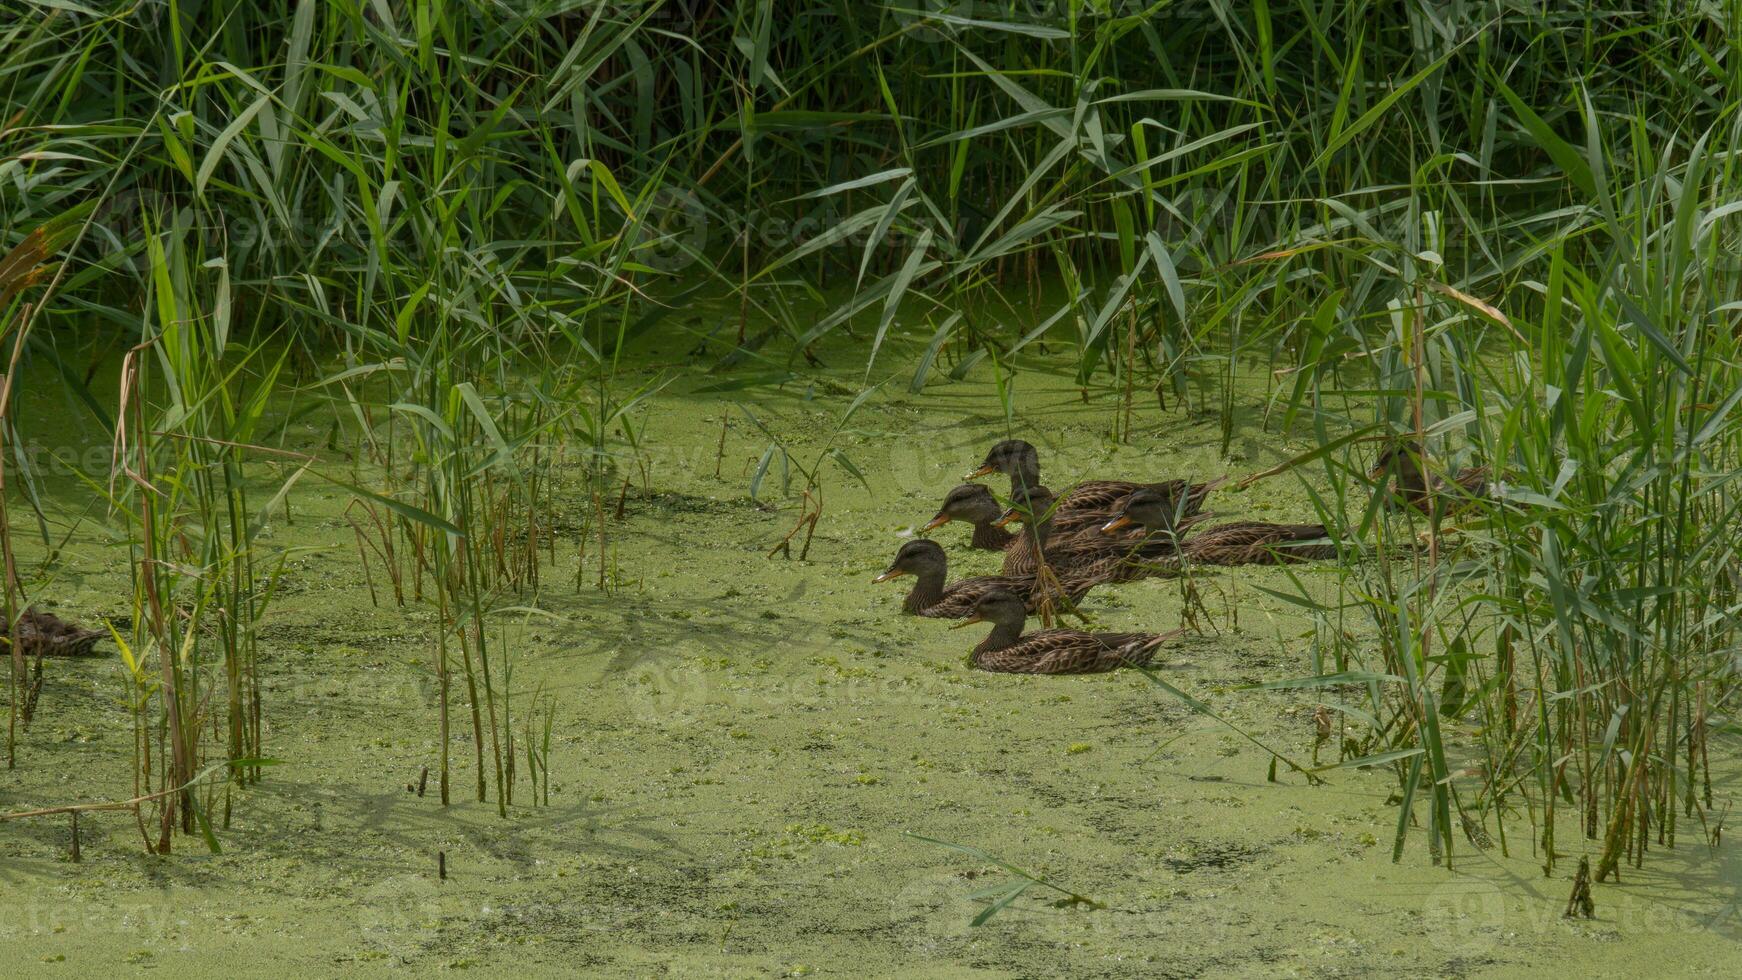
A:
x,y
1506,229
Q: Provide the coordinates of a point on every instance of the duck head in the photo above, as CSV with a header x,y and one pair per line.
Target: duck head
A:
x,y
1402,458
922,558
1146,508
969,502
999,607
1032,506
1014,458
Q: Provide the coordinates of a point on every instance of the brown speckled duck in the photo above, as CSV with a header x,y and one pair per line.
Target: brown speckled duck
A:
x,y
926,562
1235,543
49,635
1091,502
1054,651
1418,485
1258,543
1116,556
975,505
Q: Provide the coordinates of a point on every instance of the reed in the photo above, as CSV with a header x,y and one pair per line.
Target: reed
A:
x,y
1505,230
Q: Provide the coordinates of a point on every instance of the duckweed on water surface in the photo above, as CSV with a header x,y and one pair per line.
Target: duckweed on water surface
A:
x,y
745,751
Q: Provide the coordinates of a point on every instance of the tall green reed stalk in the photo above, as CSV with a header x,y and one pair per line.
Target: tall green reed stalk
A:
x,y
191,403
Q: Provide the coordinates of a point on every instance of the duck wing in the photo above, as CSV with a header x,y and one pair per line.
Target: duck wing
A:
x,y
1473,481
959,597
1098,501
51,636
1258,543
1098,557
1062,651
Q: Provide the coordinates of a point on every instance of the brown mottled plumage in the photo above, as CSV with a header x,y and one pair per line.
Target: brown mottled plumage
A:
x,y
1120,554
1054,651
1092,502
51,636
1417,485
1258,543
1235,543
930,596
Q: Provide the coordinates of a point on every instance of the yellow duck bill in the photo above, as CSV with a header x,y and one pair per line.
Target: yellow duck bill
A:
x,y
1115,524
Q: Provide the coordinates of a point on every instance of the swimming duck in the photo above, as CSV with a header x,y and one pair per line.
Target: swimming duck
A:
x,y
974,503
1114,554
49,635
1091,502
925,560
1418,486
1054,651
1236,543
1258,543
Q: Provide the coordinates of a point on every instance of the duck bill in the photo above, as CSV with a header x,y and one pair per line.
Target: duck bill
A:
x,y
1007,517
1115,524
936,522
986,470
893,573
971,620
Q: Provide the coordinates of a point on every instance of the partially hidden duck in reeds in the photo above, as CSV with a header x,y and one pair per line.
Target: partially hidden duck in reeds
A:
x,y
1052,651
974,505
1415,481
1091,502
45,634
1234,543
1116,557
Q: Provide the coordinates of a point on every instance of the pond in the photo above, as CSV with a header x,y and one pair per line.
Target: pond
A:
x,y
757,761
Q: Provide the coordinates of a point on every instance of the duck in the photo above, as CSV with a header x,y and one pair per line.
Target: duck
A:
x,y
1234,543
45,634
1091,550
1258,543
973,503
1052,651
1418,485
1091,502
926,562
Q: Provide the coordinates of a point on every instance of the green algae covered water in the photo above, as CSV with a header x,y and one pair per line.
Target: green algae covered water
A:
x,y
749,750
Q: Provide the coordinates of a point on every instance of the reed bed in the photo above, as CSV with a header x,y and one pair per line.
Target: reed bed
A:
x,y
1505,232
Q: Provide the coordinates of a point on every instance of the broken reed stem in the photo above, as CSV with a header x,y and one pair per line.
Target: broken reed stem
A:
x,y
720,450
12,592
599,516
1130,369
442,687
